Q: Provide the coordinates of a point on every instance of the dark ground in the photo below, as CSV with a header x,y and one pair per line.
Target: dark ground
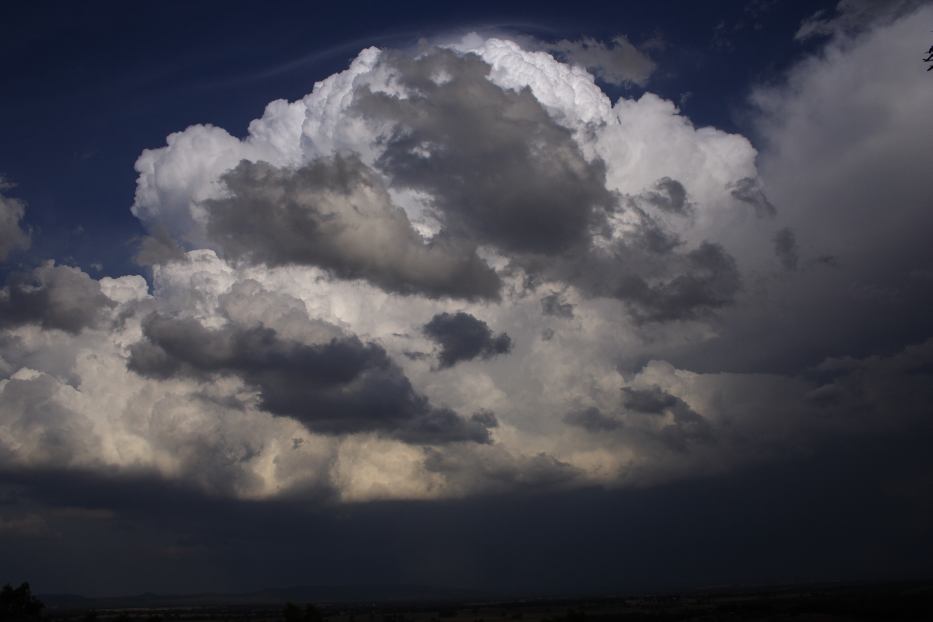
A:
x,y
903,601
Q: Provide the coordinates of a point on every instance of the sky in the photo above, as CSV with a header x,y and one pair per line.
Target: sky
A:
x,y
536,299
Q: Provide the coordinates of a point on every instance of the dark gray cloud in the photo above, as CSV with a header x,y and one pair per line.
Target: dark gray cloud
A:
x,y
158,247
668,195
52,296
687,426
446,425
499,169
652,401
339,387
619,62
652,237
825,395
12,235
593,420
683,427
657,401
646,266
785,248
554,305
495,471
336,214
463,337
486,417
748,190
708,280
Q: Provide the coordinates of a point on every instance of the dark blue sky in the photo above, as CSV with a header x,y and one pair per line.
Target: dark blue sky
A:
x,y
88,86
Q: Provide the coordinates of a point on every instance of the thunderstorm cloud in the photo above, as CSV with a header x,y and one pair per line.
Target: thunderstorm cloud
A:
x,y
470,267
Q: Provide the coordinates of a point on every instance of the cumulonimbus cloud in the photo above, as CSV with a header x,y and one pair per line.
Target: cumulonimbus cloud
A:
x,y
595,273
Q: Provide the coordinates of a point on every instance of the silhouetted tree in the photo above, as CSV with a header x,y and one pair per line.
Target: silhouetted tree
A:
x,y
19,603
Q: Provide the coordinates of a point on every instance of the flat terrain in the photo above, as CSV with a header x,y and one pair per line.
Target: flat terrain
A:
x,y
809,604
